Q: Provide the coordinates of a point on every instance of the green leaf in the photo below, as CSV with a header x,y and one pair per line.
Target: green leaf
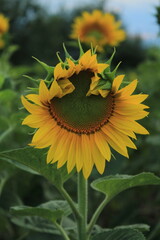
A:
x,y
140,227
6,171
119,234
112,185
2,78
36,224
35,159
51,210
7,95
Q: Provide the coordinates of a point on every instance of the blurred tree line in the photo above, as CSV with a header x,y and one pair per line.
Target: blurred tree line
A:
x,y
41,34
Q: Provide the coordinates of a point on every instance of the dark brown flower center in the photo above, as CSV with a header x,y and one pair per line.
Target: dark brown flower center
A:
x,y
78,113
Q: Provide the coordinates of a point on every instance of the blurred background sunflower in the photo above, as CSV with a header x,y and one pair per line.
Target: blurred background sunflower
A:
x,y
4,27
98,28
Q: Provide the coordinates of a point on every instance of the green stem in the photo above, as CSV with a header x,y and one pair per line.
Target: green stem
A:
x,y
65,194
62,231
96,215
83,206
155,231
6,133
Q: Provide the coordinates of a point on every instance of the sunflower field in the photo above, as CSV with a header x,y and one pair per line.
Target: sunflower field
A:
x,y
79,123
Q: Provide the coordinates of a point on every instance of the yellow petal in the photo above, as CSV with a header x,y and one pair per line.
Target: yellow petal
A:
x,y
44,93
36,121
44,134
123,138
66,86
79,160
50,153
34,98
104,93
115,137
102,145
62,138
97,157
114,145
133,99
63,159
32,108
58,71
71,154
117,82
55,90
87,159
139,129
102,67
124,131
128,90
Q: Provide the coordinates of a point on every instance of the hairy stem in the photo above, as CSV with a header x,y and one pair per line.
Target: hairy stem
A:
x,y
66,196
83,206
96,215
62,231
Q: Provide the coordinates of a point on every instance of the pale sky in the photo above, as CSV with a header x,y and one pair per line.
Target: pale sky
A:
x,y
137,15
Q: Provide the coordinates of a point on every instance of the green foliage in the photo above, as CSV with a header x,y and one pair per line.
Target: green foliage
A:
x,y
120,234
52,210
158,14
35,159
36,224
113,185
6,171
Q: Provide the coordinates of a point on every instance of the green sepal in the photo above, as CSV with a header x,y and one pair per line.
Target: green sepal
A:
x,y
110,75
67,55
31,89
107,77
48,68
104,85
93,50
81,52
109,61
59,58
32,79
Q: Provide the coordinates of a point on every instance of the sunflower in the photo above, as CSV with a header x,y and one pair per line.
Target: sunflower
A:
x,y
99,28
4,24
82,113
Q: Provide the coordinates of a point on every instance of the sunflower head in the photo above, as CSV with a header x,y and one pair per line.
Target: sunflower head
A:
x,y
81,113
99,28
4,24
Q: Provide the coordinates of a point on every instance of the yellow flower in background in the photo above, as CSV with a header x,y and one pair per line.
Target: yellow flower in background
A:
x,y
2,43
98,28
82,114
4,24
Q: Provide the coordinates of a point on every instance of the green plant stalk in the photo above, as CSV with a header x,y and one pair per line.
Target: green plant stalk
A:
x,y
66,196
6,133
62,231
154,232
96,215
83,207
